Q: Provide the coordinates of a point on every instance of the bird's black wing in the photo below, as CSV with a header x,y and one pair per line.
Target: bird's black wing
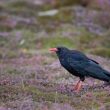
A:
x,y
88,68
82,56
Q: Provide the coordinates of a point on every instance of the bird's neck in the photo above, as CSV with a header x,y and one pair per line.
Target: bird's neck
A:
x,y
61,55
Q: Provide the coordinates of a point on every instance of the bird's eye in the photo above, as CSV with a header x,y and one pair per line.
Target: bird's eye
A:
x,y
59,49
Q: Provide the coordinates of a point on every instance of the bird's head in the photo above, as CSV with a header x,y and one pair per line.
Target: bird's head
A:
x,y
59,50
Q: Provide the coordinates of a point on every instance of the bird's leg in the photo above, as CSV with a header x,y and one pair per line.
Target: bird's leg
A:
x,y
78,86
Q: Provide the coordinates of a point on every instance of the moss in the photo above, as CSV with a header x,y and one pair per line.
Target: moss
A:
x,y
49,23
61,16
86,39
56,41
39,95
105,52
103,20
18,4
66,3
9,93
106,41
28,39
1,54
3,41
98,45
64,16
11,54
81,103
102,94
13,71
4,53
5,28
1,7
24,8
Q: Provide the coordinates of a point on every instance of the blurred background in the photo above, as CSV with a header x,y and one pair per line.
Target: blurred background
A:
x,y
28,28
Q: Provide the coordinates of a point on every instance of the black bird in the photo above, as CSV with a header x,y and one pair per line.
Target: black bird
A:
x,y
80,65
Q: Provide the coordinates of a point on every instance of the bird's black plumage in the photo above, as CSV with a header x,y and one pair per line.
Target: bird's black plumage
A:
x,y
80,65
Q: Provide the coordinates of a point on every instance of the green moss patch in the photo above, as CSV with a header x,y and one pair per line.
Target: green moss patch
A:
x,y
56,41
105,52
39,95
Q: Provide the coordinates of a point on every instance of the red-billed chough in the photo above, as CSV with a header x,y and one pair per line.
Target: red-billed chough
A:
x,y
80,65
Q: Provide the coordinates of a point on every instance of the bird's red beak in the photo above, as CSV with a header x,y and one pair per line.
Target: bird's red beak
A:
x,y
53,49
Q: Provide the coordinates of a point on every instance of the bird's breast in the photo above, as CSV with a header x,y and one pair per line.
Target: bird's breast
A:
x,y
65,64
